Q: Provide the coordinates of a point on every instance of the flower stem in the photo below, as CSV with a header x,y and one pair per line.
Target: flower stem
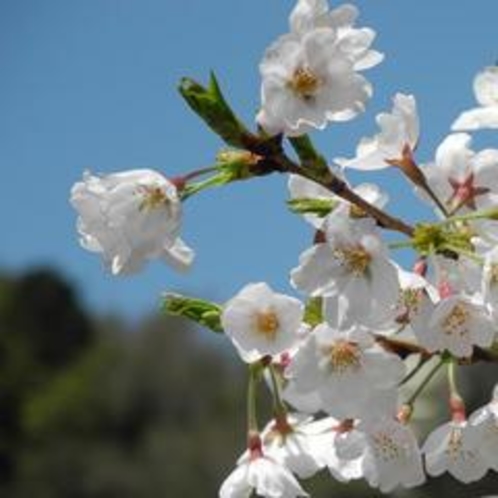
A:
x,y
252,417
190,190
200,172
452,380
436,199
416,369
484,214
457,405
279,407
400,245
464,252
425,382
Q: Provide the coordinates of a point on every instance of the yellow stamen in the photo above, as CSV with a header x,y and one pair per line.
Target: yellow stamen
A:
x,y
153,197
305,83
456,322
344,356
267,325
355,259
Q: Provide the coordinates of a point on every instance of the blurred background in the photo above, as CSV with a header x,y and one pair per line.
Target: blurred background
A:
x,y
100,396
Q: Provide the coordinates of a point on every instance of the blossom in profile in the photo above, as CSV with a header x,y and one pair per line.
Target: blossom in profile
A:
x,y
297,445
484,431
486,93
130,218
261,322
450,449
398,137
456,324
302,188
264,476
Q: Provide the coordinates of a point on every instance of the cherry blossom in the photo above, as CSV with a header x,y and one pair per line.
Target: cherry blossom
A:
x,y
392,456
264,476
295,444
484,431
398,137
130,218
450,449
307,82
301,188
347,370
352,265
463,179
261,322
456,324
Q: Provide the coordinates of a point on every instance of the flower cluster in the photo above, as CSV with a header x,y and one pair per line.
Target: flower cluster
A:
x,y
346,365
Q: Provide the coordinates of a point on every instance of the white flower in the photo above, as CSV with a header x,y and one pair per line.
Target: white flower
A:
x,y
307,82
399,134
461,178
296,446
129,218
309,76
448,448
411,301
337,446
392,456
353,42
484,431
261,322
262,475
347,370
456,323
486,93
351,266
301,188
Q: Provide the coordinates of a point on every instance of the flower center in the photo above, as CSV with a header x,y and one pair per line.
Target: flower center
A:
x,y
454,443
305,83
153,197
267,325
465,192
355,259
344,356
385,447
408,305
456,322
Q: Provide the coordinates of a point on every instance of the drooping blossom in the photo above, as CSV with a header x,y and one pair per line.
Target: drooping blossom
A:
x,y
130,218
398,137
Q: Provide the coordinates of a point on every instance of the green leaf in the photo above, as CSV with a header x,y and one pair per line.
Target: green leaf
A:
x,y
320,207
311,159
313,314
210,105
203,312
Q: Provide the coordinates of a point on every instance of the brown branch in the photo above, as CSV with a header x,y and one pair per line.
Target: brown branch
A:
x,y
403,349
273,158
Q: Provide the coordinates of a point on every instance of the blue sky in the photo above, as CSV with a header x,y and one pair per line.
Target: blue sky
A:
x,y
91,84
